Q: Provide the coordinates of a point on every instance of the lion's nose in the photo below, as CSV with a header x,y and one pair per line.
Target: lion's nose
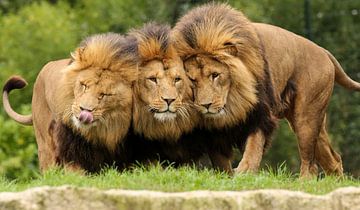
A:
x,y
83,108
206,105
168,100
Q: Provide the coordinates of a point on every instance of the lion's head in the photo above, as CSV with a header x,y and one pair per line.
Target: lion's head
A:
x,y
163,92
96,98
222,56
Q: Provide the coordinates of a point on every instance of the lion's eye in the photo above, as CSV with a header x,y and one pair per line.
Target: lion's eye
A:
x,y
102,95
84,86
153,79
177,79
214,75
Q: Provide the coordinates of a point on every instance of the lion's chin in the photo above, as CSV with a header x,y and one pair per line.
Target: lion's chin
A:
x,y
77,124
218,114
165,116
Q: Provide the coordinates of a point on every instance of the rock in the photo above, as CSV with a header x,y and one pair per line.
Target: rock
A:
x,y
67,197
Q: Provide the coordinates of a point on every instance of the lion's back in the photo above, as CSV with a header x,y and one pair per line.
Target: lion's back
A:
x,y
293,57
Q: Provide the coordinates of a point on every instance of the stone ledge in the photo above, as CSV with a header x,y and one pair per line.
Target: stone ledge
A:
x,y
67,197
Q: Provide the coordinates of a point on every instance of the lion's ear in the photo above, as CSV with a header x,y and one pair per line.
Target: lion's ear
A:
x,y
230,48
78,54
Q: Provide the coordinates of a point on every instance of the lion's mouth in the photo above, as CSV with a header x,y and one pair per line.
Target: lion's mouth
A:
x,y
86,117
83,122
165,116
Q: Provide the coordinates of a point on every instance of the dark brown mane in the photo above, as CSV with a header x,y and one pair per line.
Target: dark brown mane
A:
x,y
99,145
74,149
106,52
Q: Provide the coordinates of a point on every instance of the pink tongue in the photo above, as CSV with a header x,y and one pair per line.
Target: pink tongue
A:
x,y
86,117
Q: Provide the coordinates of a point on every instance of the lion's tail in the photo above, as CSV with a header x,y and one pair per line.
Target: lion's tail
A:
x,y
341,77
15,82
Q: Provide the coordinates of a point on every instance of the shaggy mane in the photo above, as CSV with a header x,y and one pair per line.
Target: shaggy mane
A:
x,y
219,31
154,43
107,51
226,35
104,52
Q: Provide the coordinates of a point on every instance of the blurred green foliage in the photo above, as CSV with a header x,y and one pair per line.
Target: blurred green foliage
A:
x,y
33,32
18,152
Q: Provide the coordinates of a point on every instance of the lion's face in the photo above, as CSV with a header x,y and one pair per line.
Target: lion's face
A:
x,y
163,105
224,88
163,89
211,82
98,95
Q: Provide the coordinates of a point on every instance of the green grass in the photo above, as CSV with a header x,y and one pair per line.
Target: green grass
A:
x,y
181,179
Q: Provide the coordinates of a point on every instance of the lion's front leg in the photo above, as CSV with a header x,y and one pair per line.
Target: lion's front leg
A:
x,y
74,167
221,162
253,153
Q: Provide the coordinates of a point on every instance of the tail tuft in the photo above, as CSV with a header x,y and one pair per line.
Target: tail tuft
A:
x,y
15,82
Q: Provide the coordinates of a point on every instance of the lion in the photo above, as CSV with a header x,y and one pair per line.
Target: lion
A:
x,y
82,107
164,119
163,95
248,75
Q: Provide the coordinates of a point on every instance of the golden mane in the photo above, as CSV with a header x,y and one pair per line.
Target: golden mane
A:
x,y
108,51
226,35
154,43
104,52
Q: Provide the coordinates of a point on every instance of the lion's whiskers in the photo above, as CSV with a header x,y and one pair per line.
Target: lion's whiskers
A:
x,y
151,109
226,111
184,112
181,112
102,120
67,113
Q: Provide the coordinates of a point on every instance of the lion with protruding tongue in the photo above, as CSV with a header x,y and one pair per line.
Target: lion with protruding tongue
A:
x,y
81,107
